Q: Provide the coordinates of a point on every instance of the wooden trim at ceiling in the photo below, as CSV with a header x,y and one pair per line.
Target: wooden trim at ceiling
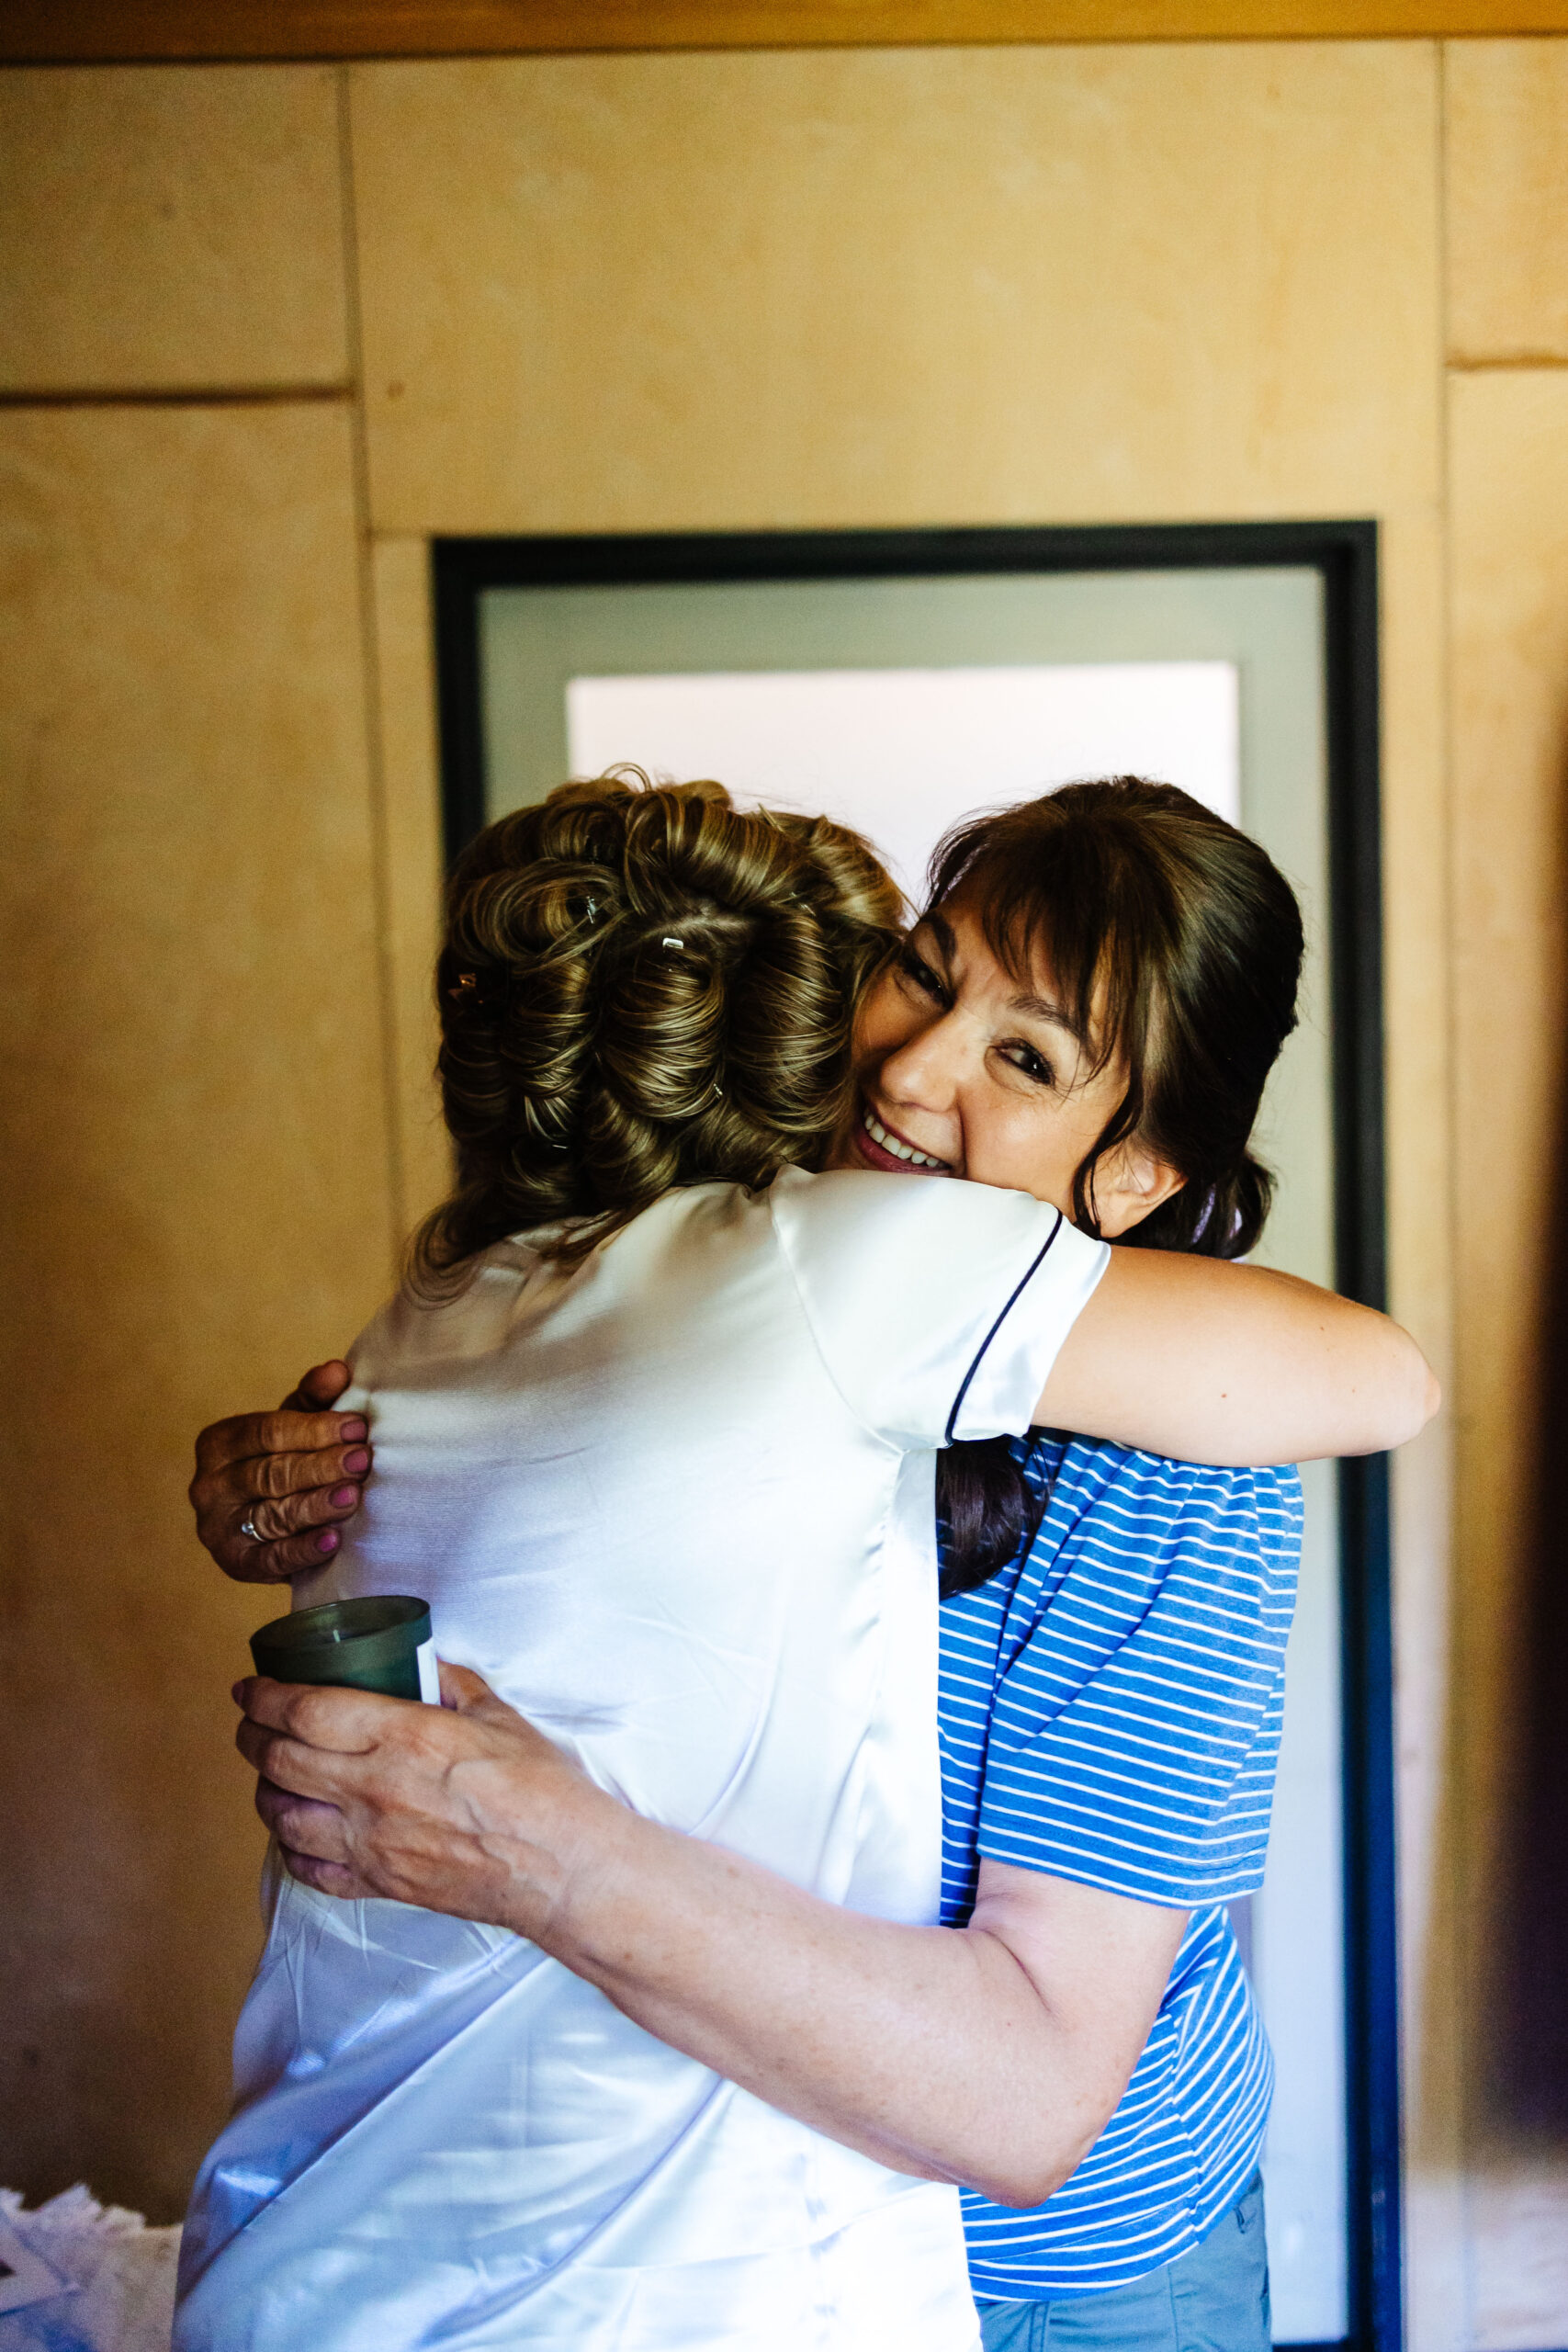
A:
x,y
146,31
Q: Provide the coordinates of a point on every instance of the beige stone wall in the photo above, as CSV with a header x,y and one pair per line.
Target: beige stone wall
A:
x,y
196,1193
1508,1795
263,329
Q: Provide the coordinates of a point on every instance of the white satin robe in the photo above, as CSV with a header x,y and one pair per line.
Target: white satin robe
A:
x,y
677,1506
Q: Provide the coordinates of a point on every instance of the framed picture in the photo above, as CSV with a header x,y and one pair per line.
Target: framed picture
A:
x,y
898,679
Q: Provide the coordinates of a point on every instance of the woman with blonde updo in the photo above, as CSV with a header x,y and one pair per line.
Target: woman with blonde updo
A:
x,y
637,2031
642,989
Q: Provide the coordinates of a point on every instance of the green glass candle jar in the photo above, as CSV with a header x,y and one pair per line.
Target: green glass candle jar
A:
x,y
379,1643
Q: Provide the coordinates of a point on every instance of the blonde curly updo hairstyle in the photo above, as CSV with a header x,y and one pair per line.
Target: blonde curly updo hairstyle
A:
x,y
643,987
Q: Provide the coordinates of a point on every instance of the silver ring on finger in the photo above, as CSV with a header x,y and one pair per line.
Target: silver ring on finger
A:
x,y
248,1527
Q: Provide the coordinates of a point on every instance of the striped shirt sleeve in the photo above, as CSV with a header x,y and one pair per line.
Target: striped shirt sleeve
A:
x,y
1134,1730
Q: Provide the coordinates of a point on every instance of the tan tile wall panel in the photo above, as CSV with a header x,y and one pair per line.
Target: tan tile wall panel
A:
x,y
1417,1081
411,789
170,227
906,286
1417,1068
1509,441
1417,1105
197,1204
1506,108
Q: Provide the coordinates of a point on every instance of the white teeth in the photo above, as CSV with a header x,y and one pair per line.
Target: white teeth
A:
x,y
895,1144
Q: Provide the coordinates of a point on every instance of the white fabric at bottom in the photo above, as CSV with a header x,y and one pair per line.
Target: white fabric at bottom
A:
x,y
600,2194
677,1506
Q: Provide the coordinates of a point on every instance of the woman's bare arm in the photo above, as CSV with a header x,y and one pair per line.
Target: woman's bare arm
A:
x,y
1214,1362
1183,1356
992,2055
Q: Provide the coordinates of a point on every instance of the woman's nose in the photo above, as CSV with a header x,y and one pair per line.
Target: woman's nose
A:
x,y
924,1070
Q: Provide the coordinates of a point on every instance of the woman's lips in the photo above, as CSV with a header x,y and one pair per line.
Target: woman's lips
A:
x,y
882,1147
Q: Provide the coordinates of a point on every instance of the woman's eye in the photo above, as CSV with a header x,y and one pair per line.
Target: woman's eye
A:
x,y
917,969
1031,1063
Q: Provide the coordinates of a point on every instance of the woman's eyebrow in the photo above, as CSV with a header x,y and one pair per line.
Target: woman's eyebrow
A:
x,y
1042,1008
1039,1008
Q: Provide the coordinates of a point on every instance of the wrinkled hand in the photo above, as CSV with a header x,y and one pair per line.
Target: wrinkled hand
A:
x,y
463,1808
295,1474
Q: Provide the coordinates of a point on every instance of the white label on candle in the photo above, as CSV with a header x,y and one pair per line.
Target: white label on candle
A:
x,y
429,1679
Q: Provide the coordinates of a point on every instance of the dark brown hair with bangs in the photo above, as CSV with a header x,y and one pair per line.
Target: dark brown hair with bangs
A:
x,y
1175,945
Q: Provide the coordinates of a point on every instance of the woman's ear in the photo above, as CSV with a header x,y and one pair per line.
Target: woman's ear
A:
x,y
1128,1185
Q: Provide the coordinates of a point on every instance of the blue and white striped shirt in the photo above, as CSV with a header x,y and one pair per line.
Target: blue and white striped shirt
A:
x,y
1110,1713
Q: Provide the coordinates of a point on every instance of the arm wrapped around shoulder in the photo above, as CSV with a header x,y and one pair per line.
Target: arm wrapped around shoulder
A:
x,y
1226,1363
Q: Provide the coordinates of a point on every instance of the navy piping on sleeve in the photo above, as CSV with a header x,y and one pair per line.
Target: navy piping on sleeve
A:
x,y
981,1351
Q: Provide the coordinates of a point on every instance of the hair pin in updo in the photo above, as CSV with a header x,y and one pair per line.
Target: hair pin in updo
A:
x,y
484,991
674,942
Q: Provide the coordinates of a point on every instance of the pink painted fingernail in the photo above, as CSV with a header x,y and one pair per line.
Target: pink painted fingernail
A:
x,y
341,1496
327,1541
356,1426
355,1461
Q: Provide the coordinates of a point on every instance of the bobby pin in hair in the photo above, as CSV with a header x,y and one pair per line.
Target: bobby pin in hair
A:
x,y
484,991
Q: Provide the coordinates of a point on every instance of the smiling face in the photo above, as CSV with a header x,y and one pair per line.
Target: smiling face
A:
x,y
964,1069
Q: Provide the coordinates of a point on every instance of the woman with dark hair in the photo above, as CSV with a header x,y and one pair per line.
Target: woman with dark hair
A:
x,y
1084,1021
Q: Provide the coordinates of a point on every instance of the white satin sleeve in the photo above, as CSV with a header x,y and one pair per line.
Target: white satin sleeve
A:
x,y
938,1306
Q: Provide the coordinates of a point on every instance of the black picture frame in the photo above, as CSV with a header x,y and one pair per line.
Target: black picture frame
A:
x,y
1345,553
